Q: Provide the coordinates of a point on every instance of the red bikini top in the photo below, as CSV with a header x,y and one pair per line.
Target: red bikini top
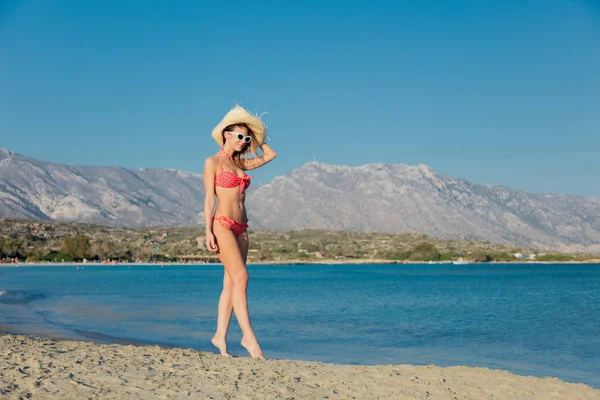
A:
x,y
229,179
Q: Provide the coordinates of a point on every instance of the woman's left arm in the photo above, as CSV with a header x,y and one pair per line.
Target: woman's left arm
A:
x,y
253,163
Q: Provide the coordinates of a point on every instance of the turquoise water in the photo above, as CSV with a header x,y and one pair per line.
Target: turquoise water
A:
x,y
532,319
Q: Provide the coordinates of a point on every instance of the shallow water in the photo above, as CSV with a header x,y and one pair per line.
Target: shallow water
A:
x,y
532,319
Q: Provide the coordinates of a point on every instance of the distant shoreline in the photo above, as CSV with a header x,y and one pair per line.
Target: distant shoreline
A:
x,y
291,262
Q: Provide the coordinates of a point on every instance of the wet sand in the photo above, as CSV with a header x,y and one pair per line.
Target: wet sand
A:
x,y
32,367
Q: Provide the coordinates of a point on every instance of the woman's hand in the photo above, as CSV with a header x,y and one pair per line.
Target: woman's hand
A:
x,y
211,244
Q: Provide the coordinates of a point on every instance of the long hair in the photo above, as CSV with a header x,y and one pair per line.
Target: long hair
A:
x,y
249,151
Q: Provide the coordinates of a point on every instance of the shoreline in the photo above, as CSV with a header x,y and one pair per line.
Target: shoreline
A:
x,y
295,262
48,368
37,327
33,328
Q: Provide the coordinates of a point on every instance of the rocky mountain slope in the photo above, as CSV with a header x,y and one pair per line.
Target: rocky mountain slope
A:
x,y
403,198
31,188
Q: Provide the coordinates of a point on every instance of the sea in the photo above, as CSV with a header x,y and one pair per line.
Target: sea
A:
x,y
530,319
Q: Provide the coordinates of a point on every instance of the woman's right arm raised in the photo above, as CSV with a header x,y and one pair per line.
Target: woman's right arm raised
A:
x,y
209,202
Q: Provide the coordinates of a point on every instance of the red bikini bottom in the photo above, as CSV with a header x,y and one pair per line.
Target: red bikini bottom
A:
x,y
235,226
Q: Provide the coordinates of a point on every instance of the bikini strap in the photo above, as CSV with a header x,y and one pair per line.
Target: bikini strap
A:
x,y
228,156
221,157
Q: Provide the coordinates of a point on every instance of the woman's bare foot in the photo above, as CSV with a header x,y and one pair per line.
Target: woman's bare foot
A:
x,y
253,348
220,344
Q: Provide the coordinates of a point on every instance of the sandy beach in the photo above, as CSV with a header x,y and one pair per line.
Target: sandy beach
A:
x,y
38,368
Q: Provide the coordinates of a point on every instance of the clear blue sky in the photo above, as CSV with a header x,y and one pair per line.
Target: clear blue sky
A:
x,y
494,92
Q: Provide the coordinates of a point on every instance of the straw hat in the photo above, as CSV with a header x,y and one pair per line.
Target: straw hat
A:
x,y
239,115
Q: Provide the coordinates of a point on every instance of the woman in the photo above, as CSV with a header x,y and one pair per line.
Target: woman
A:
x,y
239,134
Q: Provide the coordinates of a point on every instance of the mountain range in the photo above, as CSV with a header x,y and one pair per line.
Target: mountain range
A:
x,y
393,198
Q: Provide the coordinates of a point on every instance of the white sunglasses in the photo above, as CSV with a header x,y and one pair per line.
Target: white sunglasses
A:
x,y
240,136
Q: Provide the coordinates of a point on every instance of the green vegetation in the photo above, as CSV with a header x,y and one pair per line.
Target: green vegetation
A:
x,y
425,252
54,257
76,247
62,242
12,247
555,257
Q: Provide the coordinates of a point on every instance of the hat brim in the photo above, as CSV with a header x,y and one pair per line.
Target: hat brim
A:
x,y
239,115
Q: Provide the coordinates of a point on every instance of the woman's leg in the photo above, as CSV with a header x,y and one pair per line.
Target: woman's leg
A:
x,y
225,302
224,315
244,243
232,253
